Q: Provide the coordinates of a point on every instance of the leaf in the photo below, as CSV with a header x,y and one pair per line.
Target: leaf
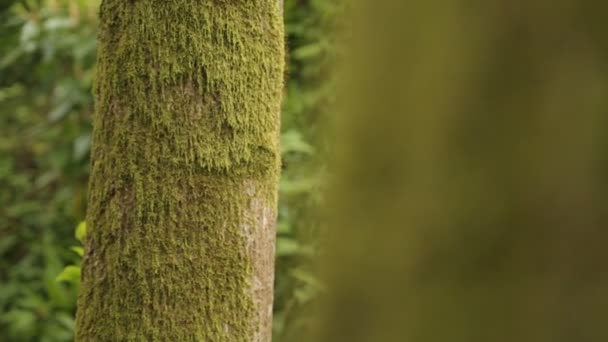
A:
x,y
307,278
60,111
292,141
23,208
58,23
287,246
85,49
304,295
78,250
82,145
29,31
65,320
46,179
20,322
290,247
301,186
11,92
70,274
283,228
308,51
81,231
56,292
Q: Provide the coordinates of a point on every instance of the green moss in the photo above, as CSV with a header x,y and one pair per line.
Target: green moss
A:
x,y
187,119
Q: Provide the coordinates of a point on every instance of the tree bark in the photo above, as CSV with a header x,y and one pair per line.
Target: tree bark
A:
x,y
184,172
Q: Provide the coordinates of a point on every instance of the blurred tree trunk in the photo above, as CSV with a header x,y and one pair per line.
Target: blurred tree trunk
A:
x,y
184,172
471,196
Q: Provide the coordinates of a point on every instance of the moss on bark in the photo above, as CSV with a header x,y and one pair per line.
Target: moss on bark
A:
x,y
185,164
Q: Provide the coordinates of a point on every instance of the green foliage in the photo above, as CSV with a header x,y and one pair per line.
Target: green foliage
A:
x,y
305,113
47,55
81,231
71,273
47,51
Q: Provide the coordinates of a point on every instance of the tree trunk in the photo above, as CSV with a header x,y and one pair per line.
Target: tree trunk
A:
x,y
473,179
184,173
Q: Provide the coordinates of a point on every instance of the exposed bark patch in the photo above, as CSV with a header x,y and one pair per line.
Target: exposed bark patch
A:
x,y
259,228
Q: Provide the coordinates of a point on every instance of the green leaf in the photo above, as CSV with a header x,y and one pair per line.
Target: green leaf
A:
x,y
70,274
305,294
46,178
81,231
29,31
308,51
82,145
59,23
78,250
291,247
307,278
60,111
22,208
292,141
65,320
283,228
301,186
20,322
287,246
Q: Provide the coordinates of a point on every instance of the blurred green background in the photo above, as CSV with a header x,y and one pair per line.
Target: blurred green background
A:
x,y
47,63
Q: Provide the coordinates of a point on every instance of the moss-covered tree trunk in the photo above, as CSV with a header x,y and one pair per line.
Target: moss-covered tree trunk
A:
x,y
184,172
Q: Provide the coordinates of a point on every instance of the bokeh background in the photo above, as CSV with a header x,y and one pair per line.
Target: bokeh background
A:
x,y
47,71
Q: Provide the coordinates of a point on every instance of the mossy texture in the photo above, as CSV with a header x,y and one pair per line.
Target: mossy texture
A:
x,y
185,165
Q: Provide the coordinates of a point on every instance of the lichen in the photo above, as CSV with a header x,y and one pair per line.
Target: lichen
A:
x,y
186,125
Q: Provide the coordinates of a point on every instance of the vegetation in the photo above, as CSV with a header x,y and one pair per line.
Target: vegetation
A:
x,y
47,58
469,184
